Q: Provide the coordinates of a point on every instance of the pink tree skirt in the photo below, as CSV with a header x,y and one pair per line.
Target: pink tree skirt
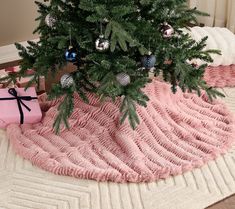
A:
x,y
177,133
220,76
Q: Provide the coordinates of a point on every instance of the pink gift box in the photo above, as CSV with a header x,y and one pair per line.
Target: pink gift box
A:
x,y
10,110
23,82
16,69
3,74
10,69
3,83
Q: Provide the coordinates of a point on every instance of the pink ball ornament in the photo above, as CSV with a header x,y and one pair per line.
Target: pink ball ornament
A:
x,y
167,30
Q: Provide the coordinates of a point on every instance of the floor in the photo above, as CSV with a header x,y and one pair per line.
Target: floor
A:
x,y
228,203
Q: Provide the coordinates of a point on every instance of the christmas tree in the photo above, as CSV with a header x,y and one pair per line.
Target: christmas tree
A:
x,y
115,44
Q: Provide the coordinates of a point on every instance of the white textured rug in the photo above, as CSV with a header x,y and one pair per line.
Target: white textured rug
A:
x,y
23,186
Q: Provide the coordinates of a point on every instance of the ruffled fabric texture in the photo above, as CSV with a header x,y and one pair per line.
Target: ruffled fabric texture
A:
x,y
177,133
221,76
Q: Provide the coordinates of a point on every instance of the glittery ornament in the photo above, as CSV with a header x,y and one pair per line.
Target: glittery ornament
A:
x,y
66,81
50,21
102,44
123,78
167,30
148,61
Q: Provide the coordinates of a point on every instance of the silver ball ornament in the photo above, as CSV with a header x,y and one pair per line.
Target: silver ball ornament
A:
x,y
66,81
123,79
102,44
167,30
50,21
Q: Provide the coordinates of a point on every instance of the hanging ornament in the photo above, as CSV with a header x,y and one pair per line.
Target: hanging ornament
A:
x,y
139,14
50,21
123,79
66,81
167,30
102,44
148,61
71,54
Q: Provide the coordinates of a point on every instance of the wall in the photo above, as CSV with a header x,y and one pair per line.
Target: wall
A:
x,y
17,20
222,12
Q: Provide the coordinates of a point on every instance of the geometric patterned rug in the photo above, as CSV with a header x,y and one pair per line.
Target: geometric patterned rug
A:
x,y
23,186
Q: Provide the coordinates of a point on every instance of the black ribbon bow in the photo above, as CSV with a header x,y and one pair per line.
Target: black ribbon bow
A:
x,y
20,102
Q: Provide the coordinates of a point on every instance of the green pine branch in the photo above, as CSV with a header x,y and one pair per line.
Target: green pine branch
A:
x,y
133,27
